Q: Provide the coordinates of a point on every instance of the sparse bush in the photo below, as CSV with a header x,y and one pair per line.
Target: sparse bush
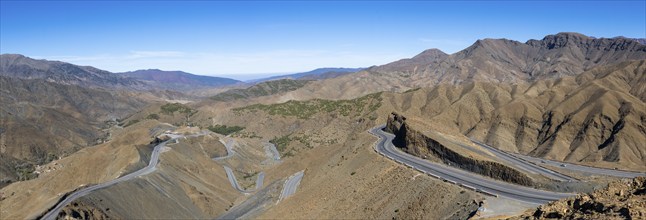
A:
x,y
281,143
132,122
153,116
305,139
249,175
289,154
25,172
171,108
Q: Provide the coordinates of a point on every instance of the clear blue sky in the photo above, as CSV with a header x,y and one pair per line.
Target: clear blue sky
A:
x,y
237,38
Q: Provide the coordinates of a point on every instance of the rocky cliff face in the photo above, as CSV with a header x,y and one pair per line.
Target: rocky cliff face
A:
x,y
418,144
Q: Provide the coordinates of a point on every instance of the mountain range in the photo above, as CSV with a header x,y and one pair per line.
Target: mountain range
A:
x,y
179,80
19,66
320,73
565,97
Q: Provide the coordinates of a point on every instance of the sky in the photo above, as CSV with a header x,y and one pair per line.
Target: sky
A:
x,y
245,39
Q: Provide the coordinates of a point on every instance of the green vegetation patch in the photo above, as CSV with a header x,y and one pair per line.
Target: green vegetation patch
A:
x,y
225,130
306,109
171,108
26,172
281,143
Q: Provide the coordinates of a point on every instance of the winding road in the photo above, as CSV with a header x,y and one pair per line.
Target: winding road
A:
x,y
236,185
228,144
525,165
581,168
291,184
154,160
460,177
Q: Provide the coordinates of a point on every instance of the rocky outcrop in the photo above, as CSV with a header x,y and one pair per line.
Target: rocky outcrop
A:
x,y
416,143
625,199
80,210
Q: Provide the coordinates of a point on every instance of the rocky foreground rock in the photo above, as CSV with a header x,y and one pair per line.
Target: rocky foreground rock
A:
x,y
624,199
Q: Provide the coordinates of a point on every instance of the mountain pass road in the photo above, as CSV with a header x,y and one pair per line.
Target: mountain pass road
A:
x,y
464,178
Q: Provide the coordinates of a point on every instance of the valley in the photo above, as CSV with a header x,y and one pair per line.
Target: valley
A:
x,y
438,135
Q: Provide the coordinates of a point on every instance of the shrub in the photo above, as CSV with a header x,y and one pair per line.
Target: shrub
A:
x,y
225,130
153,116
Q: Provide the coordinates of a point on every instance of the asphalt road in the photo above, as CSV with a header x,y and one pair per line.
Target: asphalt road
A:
x,y
525,165
291,185
228,144
154,160
271,148
236,185
466,179
581,168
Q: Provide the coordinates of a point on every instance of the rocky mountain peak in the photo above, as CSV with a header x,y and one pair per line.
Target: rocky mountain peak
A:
x,y
569,39
419,61
560,40
434,52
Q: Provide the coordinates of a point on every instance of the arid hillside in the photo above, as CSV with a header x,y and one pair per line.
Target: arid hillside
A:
x,y
596,117
261,89
186,183
52,109
43,120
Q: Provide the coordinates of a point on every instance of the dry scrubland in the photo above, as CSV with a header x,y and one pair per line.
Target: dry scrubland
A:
x,y
566,97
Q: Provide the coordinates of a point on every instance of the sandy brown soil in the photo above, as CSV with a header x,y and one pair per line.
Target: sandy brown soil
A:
x,y
352,181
